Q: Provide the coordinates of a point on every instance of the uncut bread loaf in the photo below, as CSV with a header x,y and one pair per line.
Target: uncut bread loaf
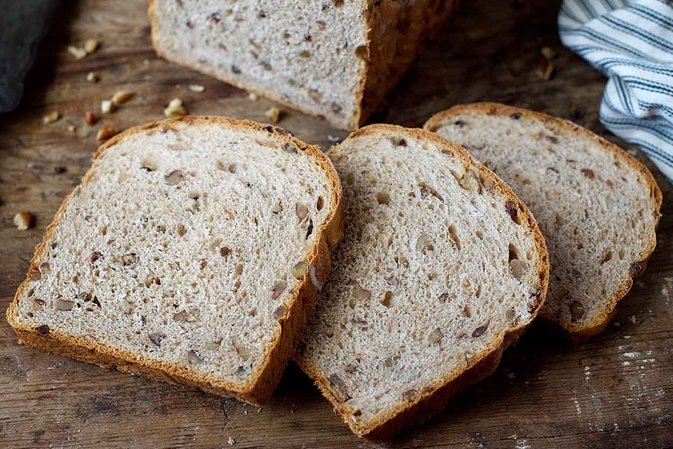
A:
x,y
331,58
190,253
597,206
440,269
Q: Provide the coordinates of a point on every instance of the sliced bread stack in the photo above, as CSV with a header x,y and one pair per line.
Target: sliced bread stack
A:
x,y
335,59
598,207
440,269
192,252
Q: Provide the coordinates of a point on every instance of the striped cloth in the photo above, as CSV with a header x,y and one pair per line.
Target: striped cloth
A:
x,y
631,42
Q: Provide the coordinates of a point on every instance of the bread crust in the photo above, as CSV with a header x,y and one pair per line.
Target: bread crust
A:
x,y
576,332
434,397
267,375
389,53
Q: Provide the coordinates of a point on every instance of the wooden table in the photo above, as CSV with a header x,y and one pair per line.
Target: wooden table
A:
x,y
614,391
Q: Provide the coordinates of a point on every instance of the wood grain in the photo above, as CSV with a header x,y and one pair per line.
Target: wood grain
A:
x,y
614,391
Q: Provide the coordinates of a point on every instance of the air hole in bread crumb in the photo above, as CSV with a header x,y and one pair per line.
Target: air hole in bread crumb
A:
x,y
181,230
319,205
467,312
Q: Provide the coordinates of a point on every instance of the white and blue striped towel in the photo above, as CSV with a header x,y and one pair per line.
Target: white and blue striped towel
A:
x,y
631,42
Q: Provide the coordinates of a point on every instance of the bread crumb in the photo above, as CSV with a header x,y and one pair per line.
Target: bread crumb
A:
x,y
633,319
105,132
548,53
23,220
107,106
231,441
196,88
333,139
511,375
252,96
92,77
90,118
245,412
77,52
260,409
71,128
19,342
273,114
91,45
175,108
121,97
51,117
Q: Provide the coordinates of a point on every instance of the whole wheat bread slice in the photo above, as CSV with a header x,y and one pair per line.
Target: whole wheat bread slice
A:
x,y
333,59
598,207
440,269
191,252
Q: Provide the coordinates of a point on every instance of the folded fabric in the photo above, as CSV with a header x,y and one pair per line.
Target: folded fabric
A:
x,y
631,42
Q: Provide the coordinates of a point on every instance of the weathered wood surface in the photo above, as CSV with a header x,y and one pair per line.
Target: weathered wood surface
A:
x,y
614,391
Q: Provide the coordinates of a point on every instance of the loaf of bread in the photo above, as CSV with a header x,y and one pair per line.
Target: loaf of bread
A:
x,y
598,207
440,269
335,59
191,252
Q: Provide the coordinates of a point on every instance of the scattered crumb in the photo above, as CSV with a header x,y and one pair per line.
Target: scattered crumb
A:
x,y
196,88
548,53
91,45
231,441
105,132
51,117
77,52
273,114
107,106
616,324
260,409
632,318
245,412
90,118
512,375
71,128
121,97
19,342
92,77
252,96
175,108
146,62
333,139
23,220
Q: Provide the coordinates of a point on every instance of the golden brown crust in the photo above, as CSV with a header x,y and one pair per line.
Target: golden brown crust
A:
x,y
576,332
379,73
434,397
267,375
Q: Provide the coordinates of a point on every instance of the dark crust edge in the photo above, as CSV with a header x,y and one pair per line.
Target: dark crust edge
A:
x,y
434,397
576,333
301,303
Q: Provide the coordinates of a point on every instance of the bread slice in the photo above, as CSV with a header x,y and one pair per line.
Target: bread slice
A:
x,y
191,253
597,205
333,59
440,269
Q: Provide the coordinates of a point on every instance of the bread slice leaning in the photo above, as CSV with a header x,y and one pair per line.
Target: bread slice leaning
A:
x,y
191,253
597,206
440,269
